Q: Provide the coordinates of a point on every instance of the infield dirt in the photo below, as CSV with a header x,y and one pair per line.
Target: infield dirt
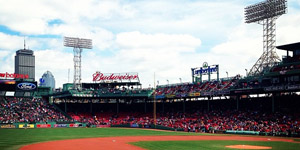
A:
x,y
248,147
121,143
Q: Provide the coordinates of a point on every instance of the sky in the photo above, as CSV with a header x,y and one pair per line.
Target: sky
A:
x,y
162,37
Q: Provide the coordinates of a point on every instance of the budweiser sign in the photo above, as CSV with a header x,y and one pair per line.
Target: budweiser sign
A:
x,y
14,75
98,76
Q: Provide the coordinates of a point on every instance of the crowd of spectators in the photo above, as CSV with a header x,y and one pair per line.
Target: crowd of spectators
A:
x,y
92,119
186,88
231,120
204,121
172,89
28,110
285,68
34,110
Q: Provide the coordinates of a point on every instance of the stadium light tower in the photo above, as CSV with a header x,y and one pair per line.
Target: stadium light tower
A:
x,y
78,44
266,13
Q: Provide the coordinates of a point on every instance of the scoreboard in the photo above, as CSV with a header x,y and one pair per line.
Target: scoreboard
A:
x,y
7,85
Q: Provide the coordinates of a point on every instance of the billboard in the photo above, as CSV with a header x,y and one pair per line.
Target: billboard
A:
x,y
115,77
26,125
43,125
197,73
7,85
7,126
26,86
60,125
13,76
205,69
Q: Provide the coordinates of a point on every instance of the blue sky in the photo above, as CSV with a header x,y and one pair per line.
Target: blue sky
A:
x,y
166,37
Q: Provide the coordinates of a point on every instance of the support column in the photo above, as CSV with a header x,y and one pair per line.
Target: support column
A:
x,y
200,78
183,107
193,77
65,105
163,106
91,107
208,103
118,106
145,105
273,103
212,98
237,102
209,73
218,79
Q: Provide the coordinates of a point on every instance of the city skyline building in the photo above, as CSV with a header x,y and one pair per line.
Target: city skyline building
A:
x,y
47,80
25,63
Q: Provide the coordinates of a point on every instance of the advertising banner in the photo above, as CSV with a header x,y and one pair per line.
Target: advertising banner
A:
x,y
26,86
103,126
111,77
74,125
60,125
43,125
134,125
275,88
197,94
205,69
160,96
170,96
293,87
26,125
191,94
206,93
7,126
183,95
13,76
223,92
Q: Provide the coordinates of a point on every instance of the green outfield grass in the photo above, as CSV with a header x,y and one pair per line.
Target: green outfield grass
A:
x,y
297,140
12,139
212,145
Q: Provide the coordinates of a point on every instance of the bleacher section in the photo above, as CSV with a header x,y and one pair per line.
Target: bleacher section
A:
x,y
28,110
194,90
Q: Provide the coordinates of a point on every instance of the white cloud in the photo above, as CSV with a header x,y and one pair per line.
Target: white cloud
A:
x,y
33,17
55,61
288,29
7,62
26,17
165,37
149,53
158,42
145,54
10,42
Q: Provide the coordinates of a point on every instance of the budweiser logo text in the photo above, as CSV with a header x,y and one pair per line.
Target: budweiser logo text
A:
x,y
101,77
14,75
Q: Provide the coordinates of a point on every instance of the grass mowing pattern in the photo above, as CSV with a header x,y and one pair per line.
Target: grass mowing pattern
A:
x,y
211,145
12,139
297,140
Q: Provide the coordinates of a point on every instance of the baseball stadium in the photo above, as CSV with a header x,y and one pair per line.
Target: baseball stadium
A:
x,y
113,112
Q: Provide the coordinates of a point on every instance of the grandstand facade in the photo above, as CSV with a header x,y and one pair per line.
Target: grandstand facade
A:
x,y
282,79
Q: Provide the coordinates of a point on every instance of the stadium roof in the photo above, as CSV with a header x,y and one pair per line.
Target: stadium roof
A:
x,y
289,47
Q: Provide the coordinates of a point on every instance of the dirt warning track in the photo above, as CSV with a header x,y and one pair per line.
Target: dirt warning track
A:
x,y
121,143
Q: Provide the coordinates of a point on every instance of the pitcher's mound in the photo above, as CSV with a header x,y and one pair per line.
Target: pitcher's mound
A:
x,y
248,147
